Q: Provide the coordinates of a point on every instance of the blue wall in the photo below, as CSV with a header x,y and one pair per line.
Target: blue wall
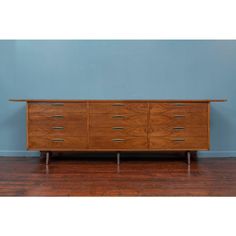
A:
x,y
119,70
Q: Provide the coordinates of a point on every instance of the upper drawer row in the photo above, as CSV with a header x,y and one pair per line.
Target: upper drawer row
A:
x,y
178,107
103,107
117,107
143,107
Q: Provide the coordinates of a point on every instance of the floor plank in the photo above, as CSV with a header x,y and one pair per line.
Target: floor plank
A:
x,y
144,176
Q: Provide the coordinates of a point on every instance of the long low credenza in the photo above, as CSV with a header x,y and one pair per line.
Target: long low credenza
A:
x,y
118,125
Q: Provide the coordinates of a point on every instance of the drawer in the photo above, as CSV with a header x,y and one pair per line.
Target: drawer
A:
x,y
117,142
118,107
57,107
47,128
174,131
111,120
57,143
179,143
81,118
179,119
178,107
120,131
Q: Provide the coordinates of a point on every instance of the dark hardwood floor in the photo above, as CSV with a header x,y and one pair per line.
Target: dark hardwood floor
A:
x,y
137,175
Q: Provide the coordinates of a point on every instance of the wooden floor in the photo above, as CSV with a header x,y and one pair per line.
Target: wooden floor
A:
x,y
100,176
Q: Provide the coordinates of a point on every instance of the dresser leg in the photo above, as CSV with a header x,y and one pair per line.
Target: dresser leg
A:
x,y
118,158
47,157
42,155
189,158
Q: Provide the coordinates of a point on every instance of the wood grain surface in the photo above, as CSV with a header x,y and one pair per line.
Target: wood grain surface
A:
x,y
136,125
96,174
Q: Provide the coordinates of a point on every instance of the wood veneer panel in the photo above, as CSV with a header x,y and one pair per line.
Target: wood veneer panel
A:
x,y
179,143
178,119
45,128
178,107
118,107
119,131
57,107
175,131
105,142
146,123
27,125
59,116
110,120
48,143
208,124
57,126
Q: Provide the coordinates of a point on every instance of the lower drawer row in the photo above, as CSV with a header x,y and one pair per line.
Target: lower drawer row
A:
x,y
132,143
74,129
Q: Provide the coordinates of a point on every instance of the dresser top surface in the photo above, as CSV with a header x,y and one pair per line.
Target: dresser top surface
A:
x,y
117,100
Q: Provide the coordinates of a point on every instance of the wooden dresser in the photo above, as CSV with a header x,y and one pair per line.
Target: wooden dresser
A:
x,y
118,125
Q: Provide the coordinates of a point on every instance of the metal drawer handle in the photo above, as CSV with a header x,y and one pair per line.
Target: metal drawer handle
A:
x,y
118,104
118,140
118,128
56,140
180,104
179,116
58,127
57,104
178,140
178,128
58,116
118,116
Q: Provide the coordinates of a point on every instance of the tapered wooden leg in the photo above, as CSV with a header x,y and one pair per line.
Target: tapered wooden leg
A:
x,y
42,155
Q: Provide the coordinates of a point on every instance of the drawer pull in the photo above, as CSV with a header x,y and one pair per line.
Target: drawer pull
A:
x,y
118,128
58,128
179,116
178,139
57,140
180,104
118,117
118,140
58,116
57,104
118,104
178,128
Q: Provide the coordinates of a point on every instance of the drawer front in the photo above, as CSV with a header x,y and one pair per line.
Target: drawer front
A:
x,y
57,143
47,128
179,119
113,120
178,107
118,131
81,118
118,107
175,131
117,142
57,107
179,143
